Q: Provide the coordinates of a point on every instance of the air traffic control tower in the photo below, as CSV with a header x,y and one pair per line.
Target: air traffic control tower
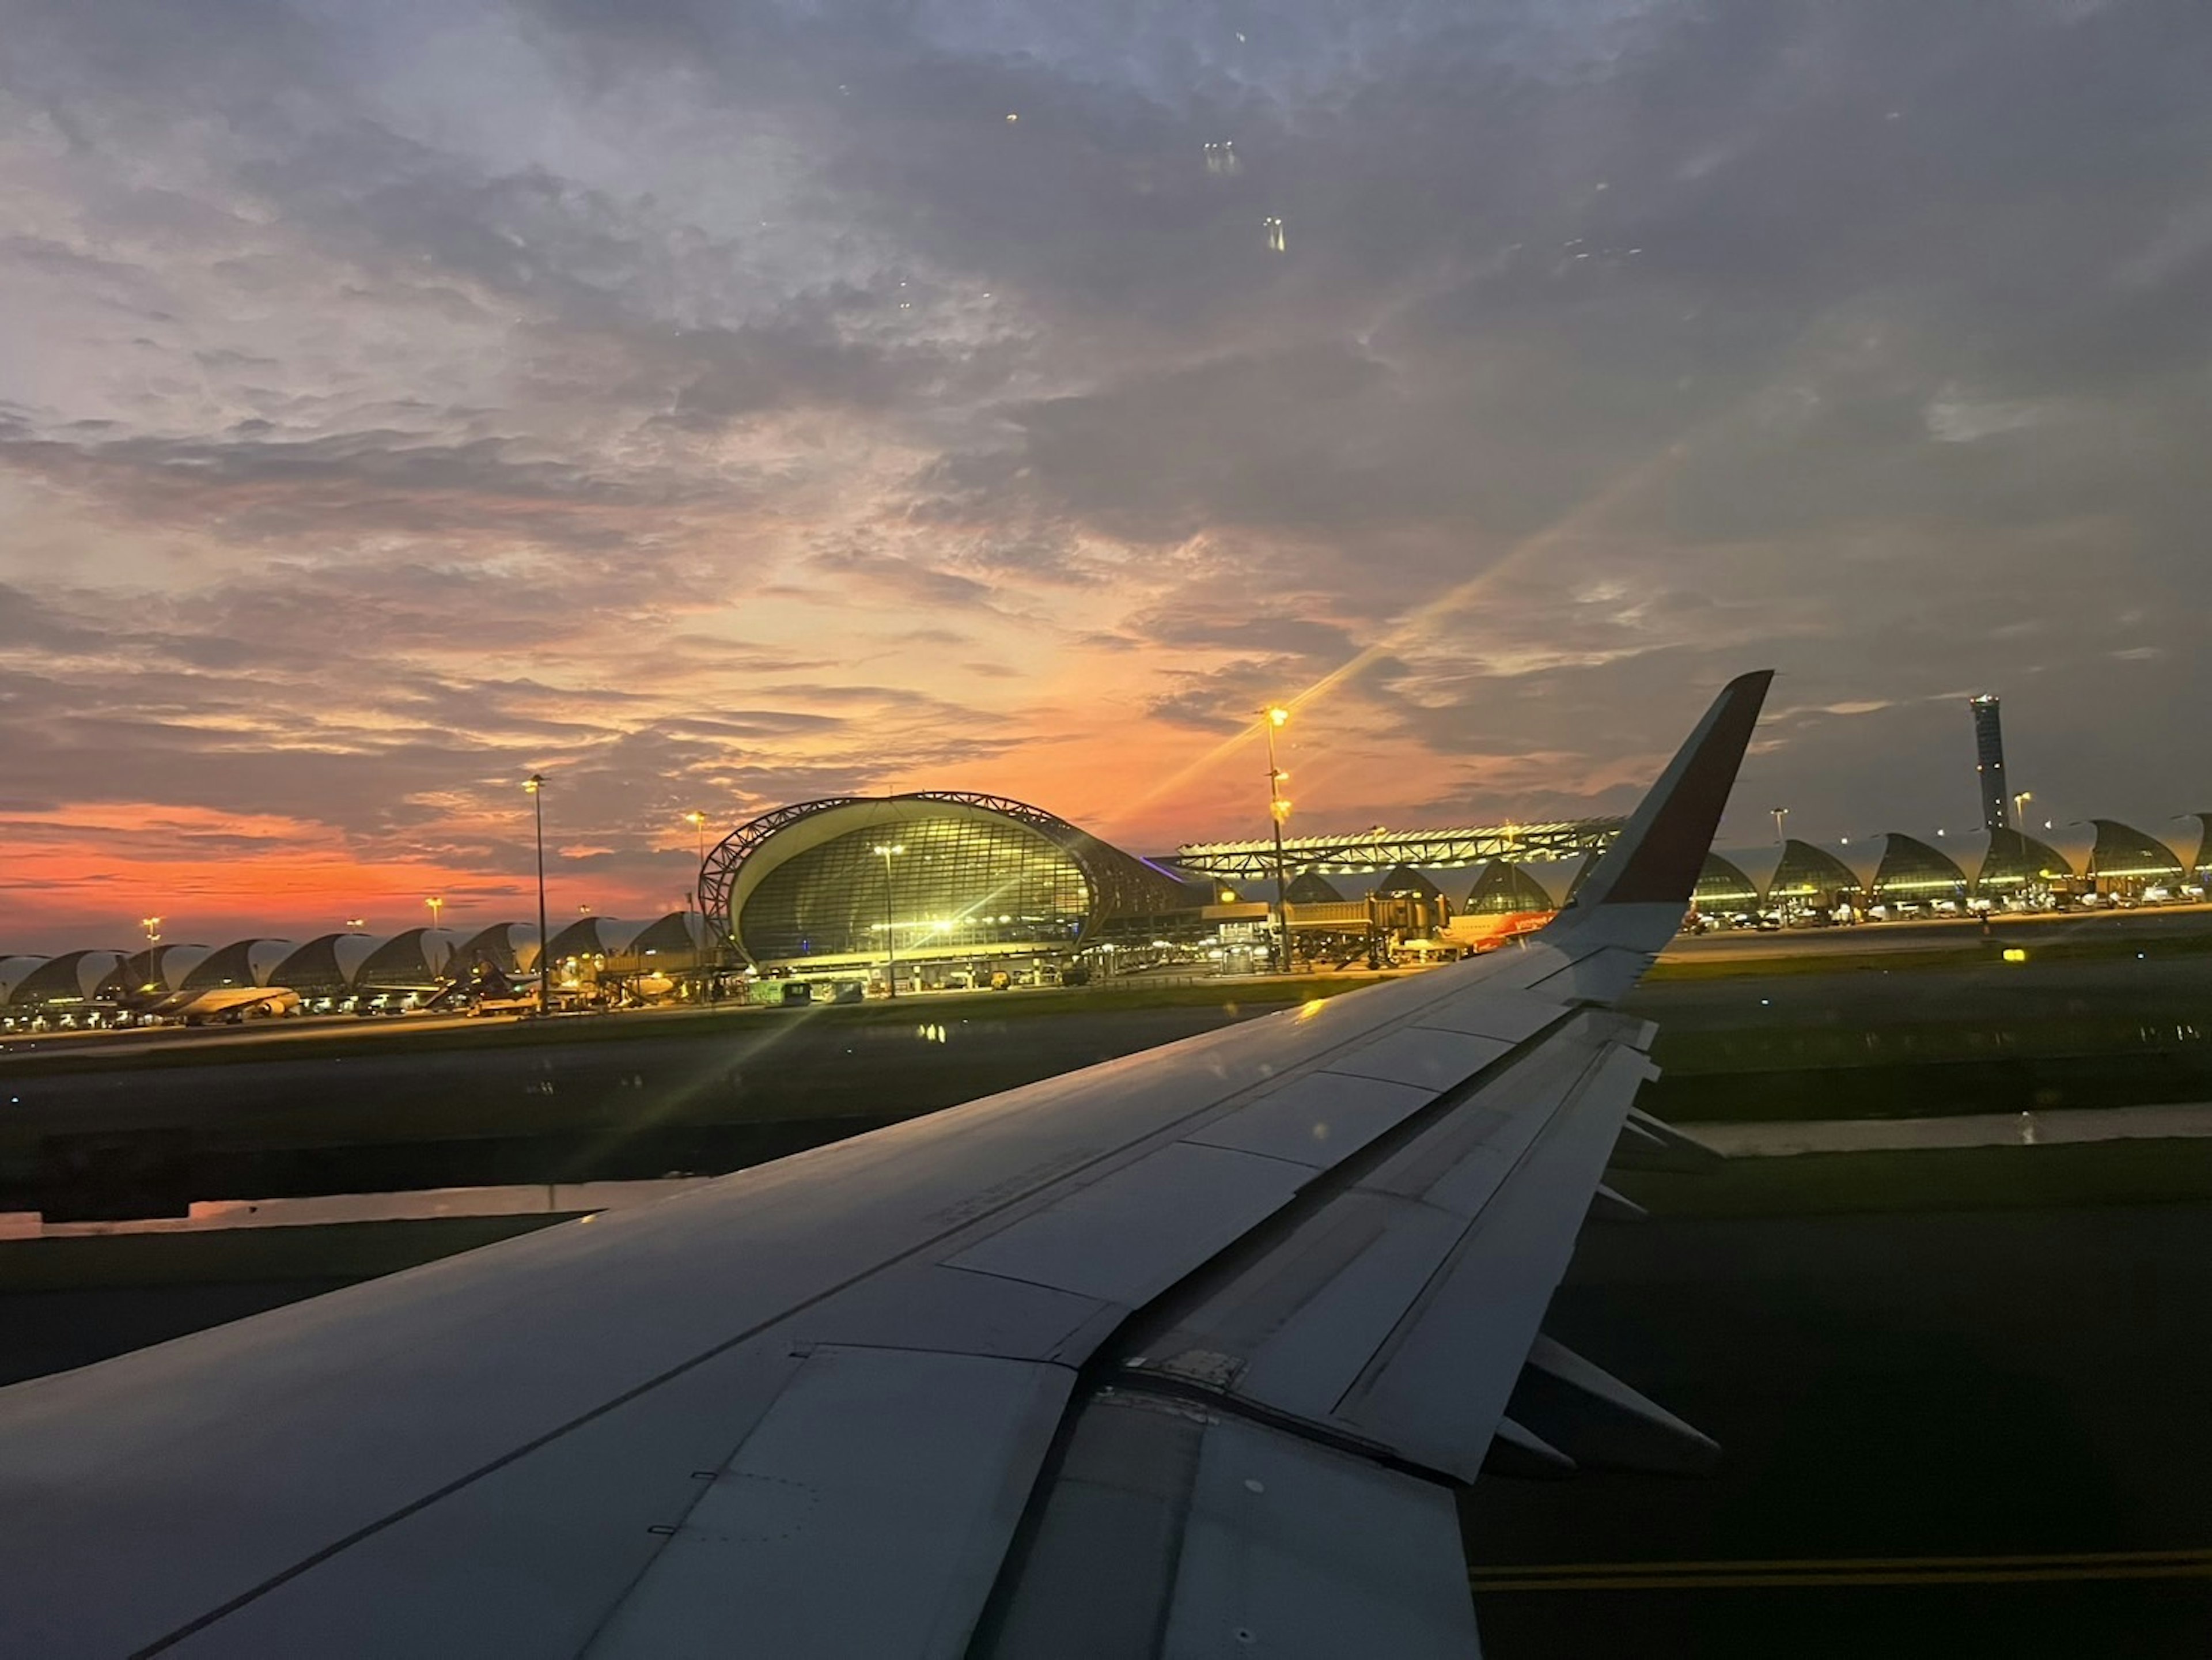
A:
x,y
1988,764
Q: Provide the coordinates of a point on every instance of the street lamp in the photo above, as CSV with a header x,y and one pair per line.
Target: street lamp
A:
x,y
1279,810
1781,816
2019,800
153,926
697,820
536,785
887,852
436,905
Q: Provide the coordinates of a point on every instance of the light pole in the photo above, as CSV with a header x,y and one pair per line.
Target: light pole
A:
x,y
697,820
437,906
887,852
153,926
536,785
1781,817
2019,800
1278,811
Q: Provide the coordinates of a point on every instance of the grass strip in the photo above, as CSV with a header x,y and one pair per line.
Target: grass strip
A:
x,y
353,1250
394,1036
2069,1175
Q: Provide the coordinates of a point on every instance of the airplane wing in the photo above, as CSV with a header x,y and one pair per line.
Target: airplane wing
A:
x,y
1184,1354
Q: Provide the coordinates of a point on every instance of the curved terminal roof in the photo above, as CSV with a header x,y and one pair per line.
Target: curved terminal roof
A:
x,y
1505,886
1913,869
2122,850
1407,882
330,962
1750,869
163,967
676,933
1312,888
74,977
511,947
1809,868
242,963
415,956
985,872
596,936
14,971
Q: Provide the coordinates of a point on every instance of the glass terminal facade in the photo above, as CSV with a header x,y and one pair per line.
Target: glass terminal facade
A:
x,y
936,877
962,882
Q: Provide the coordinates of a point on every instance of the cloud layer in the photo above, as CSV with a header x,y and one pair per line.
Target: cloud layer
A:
x,y
711,406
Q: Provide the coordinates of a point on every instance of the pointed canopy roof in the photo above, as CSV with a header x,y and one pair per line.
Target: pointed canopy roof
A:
x,y
1821,866
332,960
14,970
1912,866
1311,888
2124,850
162,968
1755,864
1404,880
1503,887
410,959
511,946
1556,877
74,976
678,932
596,936
242,963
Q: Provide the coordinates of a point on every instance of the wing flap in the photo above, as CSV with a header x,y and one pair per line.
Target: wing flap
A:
x,y
1437,1388
1176,1531
1397,1311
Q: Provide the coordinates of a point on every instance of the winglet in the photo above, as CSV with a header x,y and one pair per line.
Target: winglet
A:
x,y
1659,855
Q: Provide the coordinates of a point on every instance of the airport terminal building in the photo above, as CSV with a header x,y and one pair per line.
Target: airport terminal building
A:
x,y
946,889
942,886
352,971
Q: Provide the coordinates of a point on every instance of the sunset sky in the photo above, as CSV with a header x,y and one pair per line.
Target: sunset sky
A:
x,y
716,404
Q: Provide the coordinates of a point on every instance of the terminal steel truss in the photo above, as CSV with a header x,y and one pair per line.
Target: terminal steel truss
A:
x,y
1383,849
1120,885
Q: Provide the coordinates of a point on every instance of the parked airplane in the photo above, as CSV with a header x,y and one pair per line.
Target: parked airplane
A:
x,y
228,1005
1184,1354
